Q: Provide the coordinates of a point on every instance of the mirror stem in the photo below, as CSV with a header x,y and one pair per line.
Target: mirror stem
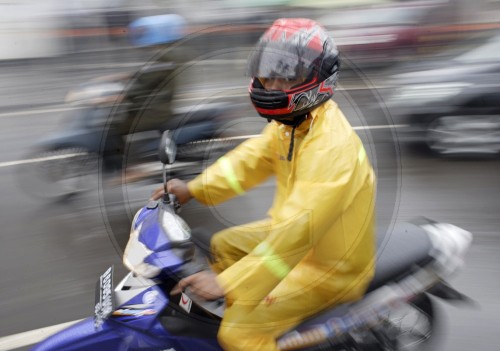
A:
x,y
166,196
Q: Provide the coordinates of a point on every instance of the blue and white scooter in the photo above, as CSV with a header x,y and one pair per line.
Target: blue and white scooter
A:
x,y
140,314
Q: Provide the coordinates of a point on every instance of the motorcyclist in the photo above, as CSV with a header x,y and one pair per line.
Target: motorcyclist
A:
x,y
317,247
148,99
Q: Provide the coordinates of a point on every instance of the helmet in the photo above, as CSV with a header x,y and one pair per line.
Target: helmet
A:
x,y
295,48
156,30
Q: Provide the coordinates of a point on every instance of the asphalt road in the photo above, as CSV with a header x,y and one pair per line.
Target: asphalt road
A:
x,y
52,254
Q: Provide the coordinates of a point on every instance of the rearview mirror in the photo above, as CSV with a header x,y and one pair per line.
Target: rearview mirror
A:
x,y
168,149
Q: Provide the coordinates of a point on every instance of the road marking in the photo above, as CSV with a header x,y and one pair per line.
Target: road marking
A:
x,y
38,159
38,111
57,157
15,341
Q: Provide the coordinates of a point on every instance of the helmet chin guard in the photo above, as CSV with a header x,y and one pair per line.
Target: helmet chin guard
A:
x,y
293,49
286,105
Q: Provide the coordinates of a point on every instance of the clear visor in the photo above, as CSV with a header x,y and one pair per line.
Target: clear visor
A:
x,y
278,60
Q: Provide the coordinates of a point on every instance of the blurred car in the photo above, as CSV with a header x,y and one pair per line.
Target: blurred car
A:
x,y
383,34
452,104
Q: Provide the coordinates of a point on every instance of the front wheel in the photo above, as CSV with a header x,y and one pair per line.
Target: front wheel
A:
x,y
58,173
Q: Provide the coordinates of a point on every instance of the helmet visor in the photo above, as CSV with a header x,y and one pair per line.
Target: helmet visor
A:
x,y
275,59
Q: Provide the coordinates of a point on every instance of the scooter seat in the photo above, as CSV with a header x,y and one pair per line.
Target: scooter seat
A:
x,y
407,246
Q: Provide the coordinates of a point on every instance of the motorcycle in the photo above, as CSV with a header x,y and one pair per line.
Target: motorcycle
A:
x,y
65,163
396,312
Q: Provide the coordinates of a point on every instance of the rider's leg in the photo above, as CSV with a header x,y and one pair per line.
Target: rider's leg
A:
x,y
249,326
232,244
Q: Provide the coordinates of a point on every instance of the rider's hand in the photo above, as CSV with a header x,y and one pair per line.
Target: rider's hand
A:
x,y
202,284
177,187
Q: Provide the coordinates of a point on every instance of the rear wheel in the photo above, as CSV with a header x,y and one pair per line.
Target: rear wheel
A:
x,y
409,327
59,173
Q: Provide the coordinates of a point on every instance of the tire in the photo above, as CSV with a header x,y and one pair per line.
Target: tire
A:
x,y
410,327
56,174
396,332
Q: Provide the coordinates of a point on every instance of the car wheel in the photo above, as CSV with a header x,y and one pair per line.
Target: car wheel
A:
x,y
454,135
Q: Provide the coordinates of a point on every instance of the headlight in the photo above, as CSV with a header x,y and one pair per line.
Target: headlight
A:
x,y
174,226
174,231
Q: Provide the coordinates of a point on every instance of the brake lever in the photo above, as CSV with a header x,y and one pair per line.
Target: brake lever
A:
x,y
177,206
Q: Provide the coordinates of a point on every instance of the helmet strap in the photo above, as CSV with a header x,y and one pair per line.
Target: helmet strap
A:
x,y
297,123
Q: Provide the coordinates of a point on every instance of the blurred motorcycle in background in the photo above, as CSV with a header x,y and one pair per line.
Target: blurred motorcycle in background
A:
x,y
116,121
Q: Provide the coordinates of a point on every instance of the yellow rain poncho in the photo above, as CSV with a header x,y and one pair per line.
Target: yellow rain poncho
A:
x,y
317,247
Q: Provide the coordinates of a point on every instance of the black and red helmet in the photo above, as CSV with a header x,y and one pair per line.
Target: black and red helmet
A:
x,y
295,48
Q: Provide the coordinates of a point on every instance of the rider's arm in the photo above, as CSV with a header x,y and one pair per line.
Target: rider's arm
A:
x,y
248,165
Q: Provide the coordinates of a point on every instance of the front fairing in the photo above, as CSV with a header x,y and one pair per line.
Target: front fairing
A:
x,y
159,243
113,336
148,316
145,317
82,336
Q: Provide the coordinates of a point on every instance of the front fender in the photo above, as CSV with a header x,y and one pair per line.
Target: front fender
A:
x,y
111,336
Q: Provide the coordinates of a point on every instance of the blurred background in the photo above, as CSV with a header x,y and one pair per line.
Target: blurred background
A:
x,y
420,83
